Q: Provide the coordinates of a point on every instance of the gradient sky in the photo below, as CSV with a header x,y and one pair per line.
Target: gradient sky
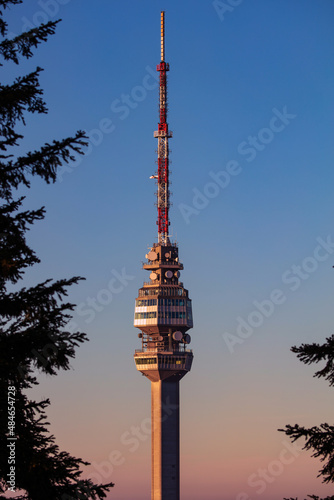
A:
x,y
251,105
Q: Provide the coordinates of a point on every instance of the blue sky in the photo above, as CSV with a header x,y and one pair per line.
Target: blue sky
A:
x,y
250,102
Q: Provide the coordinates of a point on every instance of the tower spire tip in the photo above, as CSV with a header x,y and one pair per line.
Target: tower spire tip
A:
x,y
162,35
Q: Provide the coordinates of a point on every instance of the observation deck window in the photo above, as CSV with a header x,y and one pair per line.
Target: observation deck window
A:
x,y
146,361
146,315
146,302
172,314
171,302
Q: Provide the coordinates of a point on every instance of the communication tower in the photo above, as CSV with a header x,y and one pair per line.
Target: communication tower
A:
x,y
163,314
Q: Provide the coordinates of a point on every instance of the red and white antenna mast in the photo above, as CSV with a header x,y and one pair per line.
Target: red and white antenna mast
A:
x,y
163,134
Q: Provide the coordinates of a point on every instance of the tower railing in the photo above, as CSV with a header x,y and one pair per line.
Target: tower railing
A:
x,y
163,263
153,283
162,350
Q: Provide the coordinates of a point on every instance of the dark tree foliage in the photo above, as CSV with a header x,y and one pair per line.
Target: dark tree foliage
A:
x,y
319,439
33,334
313,497
313,353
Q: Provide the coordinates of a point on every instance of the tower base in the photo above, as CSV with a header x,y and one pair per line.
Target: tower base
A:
x,y
165,440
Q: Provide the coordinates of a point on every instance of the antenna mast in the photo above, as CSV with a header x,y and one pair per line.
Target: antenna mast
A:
x,y
163,134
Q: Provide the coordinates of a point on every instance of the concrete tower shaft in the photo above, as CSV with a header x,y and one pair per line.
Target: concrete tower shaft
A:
x,y
165,410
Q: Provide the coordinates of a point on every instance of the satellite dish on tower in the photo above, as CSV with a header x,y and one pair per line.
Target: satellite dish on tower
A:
x,y
187,338
152,256
177,336
153,276
169,274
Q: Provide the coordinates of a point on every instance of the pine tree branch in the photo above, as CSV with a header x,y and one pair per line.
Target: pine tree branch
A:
x,y
23,95
43,163
24,43
314,353
15,255
8,143
4,4
313,497
321,441
34,321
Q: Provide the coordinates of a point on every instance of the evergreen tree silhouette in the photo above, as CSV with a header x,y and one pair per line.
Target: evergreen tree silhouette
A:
x,y
318,439
33,334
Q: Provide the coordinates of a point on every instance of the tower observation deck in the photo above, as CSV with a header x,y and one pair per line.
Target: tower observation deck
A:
x,y
163,314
